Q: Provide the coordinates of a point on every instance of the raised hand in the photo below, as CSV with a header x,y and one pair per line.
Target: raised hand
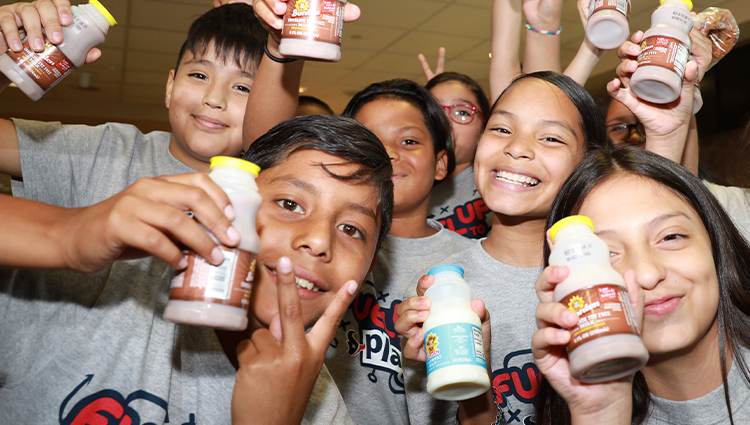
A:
x,y
271,15
439,66
279,366
47,15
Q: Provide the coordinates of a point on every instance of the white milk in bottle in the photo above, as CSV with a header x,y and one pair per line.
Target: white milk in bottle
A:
x,y
605,344
454,349
36,73
219,296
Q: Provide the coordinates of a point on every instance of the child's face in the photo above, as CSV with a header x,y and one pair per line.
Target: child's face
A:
x,y
400,127
531,144
206,99
466,136
618,115
651,230
328,228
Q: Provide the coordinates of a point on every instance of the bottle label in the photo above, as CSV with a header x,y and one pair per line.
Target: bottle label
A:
x,y
454,344
46,68
314,20
603,310
622,6
228,284
663,51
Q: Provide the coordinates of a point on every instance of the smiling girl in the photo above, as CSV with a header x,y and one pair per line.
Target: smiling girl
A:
x,y
671,237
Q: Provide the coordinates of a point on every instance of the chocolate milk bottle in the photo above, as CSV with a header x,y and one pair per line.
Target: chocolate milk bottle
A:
x,y
219,296
607,27
605,344
36,73
664,53
454,348
312,29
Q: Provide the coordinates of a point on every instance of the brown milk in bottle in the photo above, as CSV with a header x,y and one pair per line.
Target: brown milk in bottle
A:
x,y
219,296
312,29
607,27
605,344
36,73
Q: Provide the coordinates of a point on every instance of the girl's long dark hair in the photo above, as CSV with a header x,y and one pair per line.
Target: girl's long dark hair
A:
x,y
731,255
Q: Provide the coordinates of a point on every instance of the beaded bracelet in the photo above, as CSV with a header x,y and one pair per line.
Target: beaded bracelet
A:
x,y
529,27
276,59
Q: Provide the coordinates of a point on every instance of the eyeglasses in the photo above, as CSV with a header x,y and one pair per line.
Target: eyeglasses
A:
x,y
462,113
622,131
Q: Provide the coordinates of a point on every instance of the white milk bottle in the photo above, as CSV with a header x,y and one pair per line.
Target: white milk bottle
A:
x,y
664,53
607,27
36,73
312,29
605,344
219,296
454,350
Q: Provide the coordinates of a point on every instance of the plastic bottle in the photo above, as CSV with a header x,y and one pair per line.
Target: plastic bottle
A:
x,y
664,53
454,350
607,27
312,29
605,344
219,296
36,73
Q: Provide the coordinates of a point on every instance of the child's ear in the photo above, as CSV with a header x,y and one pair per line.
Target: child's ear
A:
x,y
170,84
441,165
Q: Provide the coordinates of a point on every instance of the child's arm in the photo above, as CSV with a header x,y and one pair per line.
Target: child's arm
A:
x,y
504,45
279,365
275,91
146,218
542,50
32,17
588,55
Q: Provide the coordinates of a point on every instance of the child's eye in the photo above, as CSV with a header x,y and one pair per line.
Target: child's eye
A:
x,y
242,88
290,206
552,139
673,237
198,75
350,230
501,130
409,142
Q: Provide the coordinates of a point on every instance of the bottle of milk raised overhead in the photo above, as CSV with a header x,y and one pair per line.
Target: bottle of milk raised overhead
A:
x,y
607,27
219,296
605,344
36,73
664,53
454,349
312,29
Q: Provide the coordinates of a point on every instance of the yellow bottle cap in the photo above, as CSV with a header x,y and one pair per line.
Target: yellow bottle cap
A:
x,y
687,2
569,221
104,12
228,161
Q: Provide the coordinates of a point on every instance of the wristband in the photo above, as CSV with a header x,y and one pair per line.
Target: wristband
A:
x,y
529,27
274,58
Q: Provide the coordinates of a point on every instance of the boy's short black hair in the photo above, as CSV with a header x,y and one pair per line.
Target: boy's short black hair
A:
x,y
234,31
338,136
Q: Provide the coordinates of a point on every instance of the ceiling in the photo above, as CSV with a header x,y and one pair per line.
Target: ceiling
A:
x,y
127,83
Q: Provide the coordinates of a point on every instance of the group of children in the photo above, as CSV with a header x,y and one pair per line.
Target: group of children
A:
x,y
360,206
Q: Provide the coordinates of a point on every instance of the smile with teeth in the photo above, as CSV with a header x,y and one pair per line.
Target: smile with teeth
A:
x,y
303,283
516,178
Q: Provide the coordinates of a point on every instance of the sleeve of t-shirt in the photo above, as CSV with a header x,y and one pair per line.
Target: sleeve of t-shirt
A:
x,y
736,202
63,164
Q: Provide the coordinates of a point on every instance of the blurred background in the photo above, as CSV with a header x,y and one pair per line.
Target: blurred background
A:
x,y
127,84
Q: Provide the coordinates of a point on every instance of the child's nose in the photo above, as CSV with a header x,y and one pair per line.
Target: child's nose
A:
x,y
518,147
214,97
315,238
649,270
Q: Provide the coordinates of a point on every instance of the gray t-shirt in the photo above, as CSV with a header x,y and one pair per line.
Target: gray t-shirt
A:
x,y
365,356
86,346
711,409
736,202
457,205
509,295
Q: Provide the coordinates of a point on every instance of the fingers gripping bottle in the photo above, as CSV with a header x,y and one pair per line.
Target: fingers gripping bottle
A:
x,y
219,296
607,27
36,73
664,53
312,29
454,349
605,344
